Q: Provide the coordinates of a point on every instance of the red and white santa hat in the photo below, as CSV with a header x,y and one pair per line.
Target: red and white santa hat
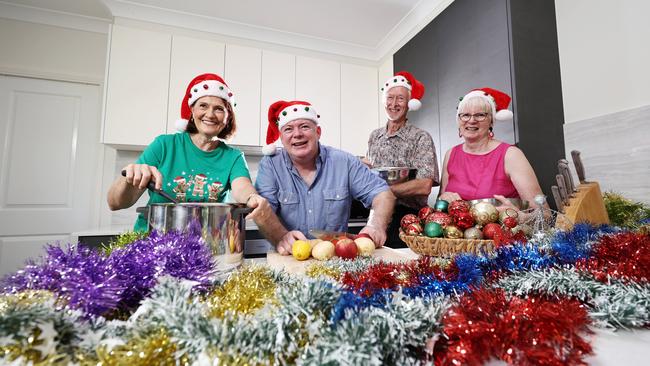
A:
x,y
283,112
497,100
201,86
405,79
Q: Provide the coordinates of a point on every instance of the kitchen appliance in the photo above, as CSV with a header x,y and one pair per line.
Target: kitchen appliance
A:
x,y
222,226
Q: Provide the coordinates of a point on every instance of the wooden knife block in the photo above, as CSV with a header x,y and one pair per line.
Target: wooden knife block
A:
x,y
586,206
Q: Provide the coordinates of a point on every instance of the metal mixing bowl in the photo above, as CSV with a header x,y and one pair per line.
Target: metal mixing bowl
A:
x,y
394,175
517,202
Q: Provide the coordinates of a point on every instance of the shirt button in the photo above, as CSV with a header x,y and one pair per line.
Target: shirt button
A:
x,y
308,192
337,196
309,211
285,200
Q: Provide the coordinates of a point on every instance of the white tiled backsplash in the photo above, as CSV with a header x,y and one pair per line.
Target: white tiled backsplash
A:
x,y
124,157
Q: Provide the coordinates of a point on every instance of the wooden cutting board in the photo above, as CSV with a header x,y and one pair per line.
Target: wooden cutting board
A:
x,y
292,265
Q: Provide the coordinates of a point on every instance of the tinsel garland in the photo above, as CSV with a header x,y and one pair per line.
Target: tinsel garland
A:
x,y
98,284
624,212
625,256
379,313
532,331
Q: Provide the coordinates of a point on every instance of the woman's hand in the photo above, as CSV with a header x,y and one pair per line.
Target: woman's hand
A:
x,y
506,204
450,196
285,244
139,175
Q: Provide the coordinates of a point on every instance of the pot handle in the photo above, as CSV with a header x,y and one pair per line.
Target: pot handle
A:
x,y
143,210
241,210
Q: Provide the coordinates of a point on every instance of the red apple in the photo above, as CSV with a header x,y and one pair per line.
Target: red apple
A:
x,y
346,248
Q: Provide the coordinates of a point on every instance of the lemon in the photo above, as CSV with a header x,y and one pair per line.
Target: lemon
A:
x,y
301,250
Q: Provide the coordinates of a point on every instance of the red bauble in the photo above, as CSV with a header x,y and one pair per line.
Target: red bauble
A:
x,y
413,229
490,230
407,220
424,212
440,217
510,222
463,220
457,206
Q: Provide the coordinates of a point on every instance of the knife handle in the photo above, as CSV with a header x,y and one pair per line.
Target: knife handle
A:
x,y
577,162
559,178
558,200
564,169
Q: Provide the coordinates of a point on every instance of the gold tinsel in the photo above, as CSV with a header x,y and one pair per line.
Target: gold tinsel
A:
x,y
318,269
122,241
24,299
155,349
26,349
243,293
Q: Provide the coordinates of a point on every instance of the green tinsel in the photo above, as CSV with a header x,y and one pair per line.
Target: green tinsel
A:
x,y
615,304
623,212
123,240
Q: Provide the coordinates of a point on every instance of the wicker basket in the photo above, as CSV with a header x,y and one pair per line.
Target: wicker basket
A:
x,y
443,247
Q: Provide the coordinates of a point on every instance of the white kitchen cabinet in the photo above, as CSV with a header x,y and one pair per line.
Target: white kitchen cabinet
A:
x,y
358,107
243,74
190,57
278,83
137,86
319,82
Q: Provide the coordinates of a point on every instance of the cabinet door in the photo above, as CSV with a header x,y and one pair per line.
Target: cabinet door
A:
x,y
190,58
319,82
243,74
137,86
358,107
278,83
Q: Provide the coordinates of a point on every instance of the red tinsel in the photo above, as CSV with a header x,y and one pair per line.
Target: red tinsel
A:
x,y
391,275
532,331
624,256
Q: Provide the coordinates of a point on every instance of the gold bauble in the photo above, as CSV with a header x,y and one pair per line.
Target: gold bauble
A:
x,y
452,232
484,213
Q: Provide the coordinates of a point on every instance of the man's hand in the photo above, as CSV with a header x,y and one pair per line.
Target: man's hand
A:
x,y
286,243
378,236
366,162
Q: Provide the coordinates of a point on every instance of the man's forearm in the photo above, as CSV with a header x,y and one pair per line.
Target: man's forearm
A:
x,y
415,187
271,228
382,210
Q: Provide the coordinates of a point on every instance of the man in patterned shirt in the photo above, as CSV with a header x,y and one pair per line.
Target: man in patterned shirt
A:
x,y
401,144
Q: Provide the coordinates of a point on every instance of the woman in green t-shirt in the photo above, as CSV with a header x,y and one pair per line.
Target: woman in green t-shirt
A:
x,y
195,165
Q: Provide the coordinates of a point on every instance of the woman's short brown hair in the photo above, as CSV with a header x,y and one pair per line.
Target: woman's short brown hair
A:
x,y
227,132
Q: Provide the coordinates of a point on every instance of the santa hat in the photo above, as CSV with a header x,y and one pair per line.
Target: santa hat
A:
x,y
405,79
283,112
201,86
497,100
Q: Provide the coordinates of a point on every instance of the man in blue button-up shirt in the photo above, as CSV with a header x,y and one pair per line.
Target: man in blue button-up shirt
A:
x,y
311,186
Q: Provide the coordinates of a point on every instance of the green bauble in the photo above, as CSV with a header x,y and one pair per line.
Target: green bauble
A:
x,y
441,205
433,229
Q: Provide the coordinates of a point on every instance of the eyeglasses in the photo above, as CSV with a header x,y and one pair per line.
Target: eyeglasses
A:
x,y
478,117
304,128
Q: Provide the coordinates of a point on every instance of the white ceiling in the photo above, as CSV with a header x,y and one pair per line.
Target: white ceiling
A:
x,y
368,29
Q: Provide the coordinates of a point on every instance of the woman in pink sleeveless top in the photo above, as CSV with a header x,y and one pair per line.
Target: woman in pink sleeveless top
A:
x,y
482,166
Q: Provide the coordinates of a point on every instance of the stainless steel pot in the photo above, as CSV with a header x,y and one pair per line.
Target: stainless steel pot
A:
x,y
394,175
222,227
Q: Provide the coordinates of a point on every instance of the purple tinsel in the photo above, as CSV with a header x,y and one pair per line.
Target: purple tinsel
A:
x,y
96,284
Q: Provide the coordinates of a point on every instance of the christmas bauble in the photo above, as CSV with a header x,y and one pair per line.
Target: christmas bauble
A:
x,y
490,229
473,233
510,222
509,212
484,213
452,232
441,218
457,206
424,212
463,220
441,206
433,229
413,229
408,219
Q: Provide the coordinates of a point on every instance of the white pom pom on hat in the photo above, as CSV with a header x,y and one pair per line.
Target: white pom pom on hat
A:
x,y
407,80
201,86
